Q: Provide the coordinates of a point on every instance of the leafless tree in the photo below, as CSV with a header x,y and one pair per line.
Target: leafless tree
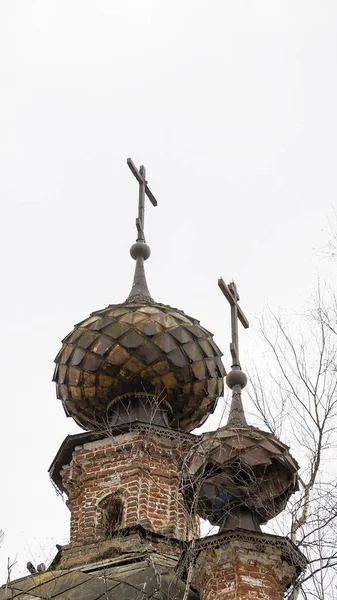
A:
x,y
330,250
296,398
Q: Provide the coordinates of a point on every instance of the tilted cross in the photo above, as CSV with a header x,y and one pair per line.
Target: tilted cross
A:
x,y
143,189
231,293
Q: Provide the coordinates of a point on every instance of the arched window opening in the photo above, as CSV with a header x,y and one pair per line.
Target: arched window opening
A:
x,y
112,514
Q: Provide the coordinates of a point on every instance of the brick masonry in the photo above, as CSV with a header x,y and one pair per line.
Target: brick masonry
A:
x,y
242,570
142,472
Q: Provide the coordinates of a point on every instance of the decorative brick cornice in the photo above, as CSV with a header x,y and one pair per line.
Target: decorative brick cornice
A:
x,y
65,452
241,564
289,550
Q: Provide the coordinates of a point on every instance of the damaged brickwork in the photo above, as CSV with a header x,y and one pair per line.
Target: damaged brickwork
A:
x,y
142,472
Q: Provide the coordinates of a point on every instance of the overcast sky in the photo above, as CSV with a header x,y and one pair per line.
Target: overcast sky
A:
x,y
231,106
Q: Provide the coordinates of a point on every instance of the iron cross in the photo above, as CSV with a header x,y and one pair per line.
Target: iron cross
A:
x,y
143,189
231,293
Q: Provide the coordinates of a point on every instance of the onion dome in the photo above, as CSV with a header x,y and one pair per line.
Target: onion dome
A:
x,y
241,476
145,350
139,360
245,476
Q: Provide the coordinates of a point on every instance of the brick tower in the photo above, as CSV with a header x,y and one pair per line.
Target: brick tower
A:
x,y
138,377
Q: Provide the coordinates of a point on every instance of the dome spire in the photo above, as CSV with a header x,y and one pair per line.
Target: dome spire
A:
x,y
140,251
236,378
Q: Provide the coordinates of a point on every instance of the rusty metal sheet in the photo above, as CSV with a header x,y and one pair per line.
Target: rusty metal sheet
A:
x,y
132,317
74,376
67,351
206,347
91,362
197,332
180,316
255,456
193,351
76,356
200,388
148,327
150,310
116,330
87,338
102,345
105,322
178,356
89,321
212,387
72,337
165,320
118,311
220,366
211,367
131,340
165,342
148,353
269,446
134,365
240,442
199,370
62,392
181,335
117,355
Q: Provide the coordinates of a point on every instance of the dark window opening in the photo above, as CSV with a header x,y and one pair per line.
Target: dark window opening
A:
x,y
112,514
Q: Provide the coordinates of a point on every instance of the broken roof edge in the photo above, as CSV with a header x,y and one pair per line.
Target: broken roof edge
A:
x,y
64,454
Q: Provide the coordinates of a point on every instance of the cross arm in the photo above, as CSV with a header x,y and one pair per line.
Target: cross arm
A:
x,y
135,171
242,318
232,301
141,180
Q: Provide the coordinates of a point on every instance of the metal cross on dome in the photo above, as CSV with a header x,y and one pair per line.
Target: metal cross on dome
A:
x,y
140,175
231,293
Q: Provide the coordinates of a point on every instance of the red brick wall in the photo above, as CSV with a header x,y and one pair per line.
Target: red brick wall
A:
x,y
242,572
143,470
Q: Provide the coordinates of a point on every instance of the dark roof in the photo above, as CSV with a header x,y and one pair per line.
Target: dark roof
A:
x,y
142,579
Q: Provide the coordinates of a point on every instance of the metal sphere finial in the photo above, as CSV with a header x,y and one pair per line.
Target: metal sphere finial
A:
x,y
140,250
236,377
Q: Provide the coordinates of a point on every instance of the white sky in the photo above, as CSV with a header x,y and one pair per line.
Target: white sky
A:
x,y
232,108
